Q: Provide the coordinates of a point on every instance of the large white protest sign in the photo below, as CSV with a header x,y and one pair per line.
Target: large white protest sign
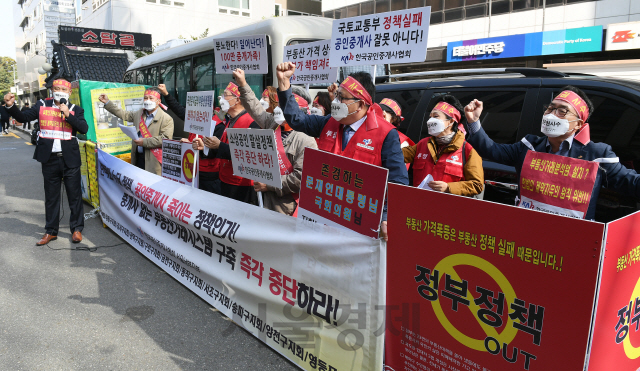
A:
x,y
199,110
178,162
313,293
393,37
247,52
254,155
312,63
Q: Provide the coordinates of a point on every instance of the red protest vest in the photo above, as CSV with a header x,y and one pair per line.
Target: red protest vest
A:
x,y
366,143
404,138
226,168
449,167
207,165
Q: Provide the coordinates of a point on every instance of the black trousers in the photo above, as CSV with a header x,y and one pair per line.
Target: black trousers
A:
x,y
209,181
140,160
5,125
55,171
239,193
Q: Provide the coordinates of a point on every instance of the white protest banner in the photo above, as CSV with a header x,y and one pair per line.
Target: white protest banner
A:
x,y
247,52
312,63
313,293
178,162
199,111
393,37
254,155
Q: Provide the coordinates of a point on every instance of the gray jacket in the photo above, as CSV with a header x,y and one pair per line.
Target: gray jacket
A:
x,y
280,200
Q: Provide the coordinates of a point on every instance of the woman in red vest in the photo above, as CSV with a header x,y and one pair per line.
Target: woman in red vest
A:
x,y
393,113
444,161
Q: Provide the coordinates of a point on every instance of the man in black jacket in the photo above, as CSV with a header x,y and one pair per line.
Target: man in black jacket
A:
x,y
58,152
26,125
4,119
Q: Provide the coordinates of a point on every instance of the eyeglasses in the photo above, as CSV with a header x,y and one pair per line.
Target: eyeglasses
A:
x,y
560,111
228,95
340,98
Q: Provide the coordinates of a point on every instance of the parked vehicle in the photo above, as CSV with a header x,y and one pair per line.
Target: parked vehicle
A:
x,y
513,100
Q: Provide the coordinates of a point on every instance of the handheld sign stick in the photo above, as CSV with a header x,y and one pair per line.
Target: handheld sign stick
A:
x,y
195,166
260,203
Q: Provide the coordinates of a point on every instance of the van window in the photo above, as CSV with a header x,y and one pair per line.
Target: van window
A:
x,y
128,78
183,80
500,115
203,72
254,81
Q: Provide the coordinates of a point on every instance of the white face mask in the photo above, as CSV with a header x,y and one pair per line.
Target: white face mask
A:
x,y
278,115
149,105
317,111
340,110
264,104
436,126
553,126
224,104
57,95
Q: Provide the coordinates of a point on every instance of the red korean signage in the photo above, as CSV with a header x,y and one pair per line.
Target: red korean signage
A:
x,y
340,191
557,184
110,39
475,285
616,335
52,124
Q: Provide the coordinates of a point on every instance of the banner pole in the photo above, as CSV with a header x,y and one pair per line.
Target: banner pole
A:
x,y
260,203
306,86
375,69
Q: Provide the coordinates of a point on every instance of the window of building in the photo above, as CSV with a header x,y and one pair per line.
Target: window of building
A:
x,y
452,4
165,2
476,11
234,7
328,14
453,15
151,1
500,7
435,5
398,5
523,4
382,6
367,8
277,12
353,10
552,3
436,18
176,3
415,4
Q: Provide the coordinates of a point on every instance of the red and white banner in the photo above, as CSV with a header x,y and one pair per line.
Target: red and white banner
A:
x,y
557,184
246,52
340,191
475,285
199,112
254,155
53,125
312,63
313,293
177,162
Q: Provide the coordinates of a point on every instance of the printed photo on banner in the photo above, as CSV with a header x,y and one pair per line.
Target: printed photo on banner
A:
x,y
254,155
178,162
484,288
393,37
106,125
305,300
312,63
248,53
343,192
199,112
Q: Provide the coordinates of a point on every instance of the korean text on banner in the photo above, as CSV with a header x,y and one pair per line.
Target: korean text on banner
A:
x,y
393,37
312,63
177,162
340,191
487,291
312,293
53,125
247,52
557,184
108,133
254,155
199,112
616,334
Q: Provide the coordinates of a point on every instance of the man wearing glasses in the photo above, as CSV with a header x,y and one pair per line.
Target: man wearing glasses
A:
x,y
355,128
566,131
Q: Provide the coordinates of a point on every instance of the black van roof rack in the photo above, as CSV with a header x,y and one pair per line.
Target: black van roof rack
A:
x,y
527,72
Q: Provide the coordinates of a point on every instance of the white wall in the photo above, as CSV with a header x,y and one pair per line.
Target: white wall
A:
x,y
334,4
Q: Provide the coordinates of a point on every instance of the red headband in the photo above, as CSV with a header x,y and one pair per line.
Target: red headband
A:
x,y
584,135
266,91
61,82
152,92
576,102
448,110
315,100
302,103
395,107
233,88
355,88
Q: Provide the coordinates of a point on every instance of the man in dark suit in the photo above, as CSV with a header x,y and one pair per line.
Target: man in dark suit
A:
x,y
566,134
58,152
4,119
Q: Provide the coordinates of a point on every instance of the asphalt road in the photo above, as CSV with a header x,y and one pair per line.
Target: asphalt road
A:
x,y
112,309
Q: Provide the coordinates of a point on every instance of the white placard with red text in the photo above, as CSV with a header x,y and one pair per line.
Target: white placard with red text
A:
x,y
254,155
313,293
248,53
199,111
312,63
393,37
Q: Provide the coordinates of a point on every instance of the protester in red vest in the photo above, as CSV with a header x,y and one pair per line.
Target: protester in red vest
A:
x,y
321,104
208,176
355,129
290,144
444,161
236,116
393,113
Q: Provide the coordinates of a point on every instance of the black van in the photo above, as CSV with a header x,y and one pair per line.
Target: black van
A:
x,y
513,99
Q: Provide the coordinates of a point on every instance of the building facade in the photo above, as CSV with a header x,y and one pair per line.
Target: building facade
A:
x,y
37,24
471,21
